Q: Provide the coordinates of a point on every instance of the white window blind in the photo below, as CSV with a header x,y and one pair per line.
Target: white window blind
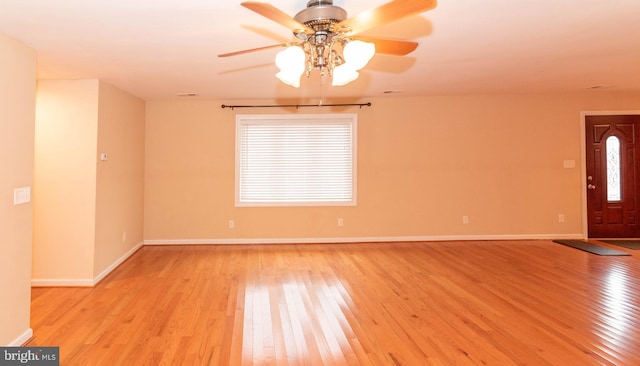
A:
x,y
295,160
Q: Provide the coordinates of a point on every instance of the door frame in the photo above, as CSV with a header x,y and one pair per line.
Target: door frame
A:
x,y
583,159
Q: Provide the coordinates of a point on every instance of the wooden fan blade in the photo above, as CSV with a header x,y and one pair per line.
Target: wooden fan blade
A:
x,y
254,50
390,46
277,15
384,14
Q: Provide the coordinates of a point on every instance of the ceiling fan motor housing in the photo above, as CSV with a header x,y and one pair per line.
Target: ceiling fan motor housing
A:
x,y
320,14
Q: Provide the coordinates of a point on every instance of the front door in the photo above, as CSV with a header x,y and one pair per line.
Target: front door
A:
x,y
613,167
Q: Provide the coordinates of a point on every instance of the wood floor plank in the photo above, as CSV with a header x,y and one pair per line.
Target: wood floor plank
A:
x,y
431,303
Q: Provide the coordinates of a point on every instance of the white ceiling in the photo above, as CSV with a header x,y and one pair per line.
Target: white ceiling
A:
x,y
157,49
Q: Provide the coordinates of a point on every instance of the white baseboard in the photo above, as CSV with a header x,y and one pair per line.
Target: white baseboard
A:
x,y
363,239
115,264
61,282
88,282
22,339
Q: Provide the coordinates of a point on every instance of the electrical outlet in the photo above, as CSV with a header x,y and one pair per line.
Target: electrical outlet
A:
x,y
232,224
560,217
340,222
465,219
124,236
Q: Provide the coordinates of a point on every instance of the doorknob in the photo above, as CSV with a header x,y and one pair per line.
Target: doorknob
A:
x,y
591,186
589,178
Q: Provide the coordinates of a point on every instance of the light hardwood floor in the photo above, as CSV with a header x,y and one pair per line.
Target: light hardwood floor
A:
x,y
433,303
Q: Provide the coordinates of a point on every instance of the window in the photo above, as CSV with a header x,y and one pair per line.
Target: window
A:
x,y
295,160
613,168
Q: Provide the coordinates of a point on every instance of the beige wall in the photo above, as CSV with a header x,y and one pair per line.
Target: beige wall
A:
x,y
120,179
84,205
17,120
65,179
423,164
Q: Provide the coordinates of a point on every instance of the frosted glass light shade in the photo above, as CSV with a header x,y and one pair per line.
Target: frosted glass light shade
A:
x,y
358,53
343,74
290,61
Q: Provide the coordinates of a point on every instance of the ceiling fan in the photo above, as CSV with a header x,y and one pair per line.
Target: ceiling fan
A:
x,y
327,40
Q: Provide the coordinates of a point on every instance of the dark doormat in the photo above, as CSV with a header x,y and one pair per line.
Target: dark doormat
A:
x,y
591,248
629,244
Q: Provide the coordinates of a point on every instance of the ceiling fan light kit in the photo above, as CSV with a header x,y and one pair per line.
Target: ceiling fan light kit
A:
x,y
293,61
329,41
291,65
343,75
358,53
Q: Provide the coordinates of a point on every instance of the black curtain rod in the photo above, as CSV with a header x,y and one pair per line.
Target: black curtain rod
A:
x,y
298,105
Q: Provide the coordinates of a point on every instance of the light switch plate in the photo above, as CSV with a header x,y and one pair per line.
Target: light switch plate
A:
x,y
21,195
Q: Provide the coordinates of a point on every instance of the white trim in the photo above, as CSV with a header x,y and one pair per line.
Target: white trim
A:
x,y
74,282
583,157
115,264
22,339
64,282
363,239
61,282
